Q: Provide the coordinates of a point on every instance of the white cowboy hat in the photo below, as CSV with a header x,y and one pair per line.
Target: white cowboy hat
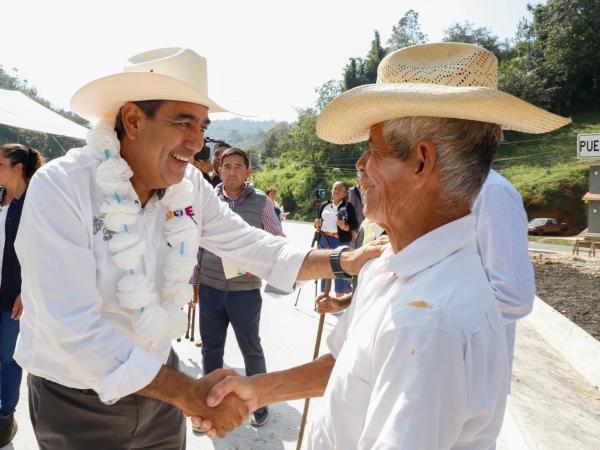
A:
x,y
436,80
162,74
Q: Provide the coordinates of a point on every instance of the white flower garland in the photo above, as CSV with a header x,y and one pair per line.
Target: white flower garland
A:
x,y
154,317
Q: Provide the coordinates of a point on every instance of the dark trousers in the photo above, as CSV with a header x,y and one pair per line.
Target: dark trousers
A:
x,y
74,419
10,371
242,309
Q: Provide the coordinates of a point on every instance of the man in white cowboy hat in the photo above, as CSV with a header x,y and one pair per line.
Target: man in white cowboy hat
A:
x,y
108,238
419,361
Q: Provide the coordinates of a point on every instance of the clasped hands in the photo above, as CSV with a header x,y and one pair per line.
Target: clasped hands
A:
x,y
230,399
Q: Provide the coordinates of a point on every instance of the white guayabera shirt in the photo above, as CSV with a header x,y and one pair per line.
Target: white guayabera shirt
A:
x,y
74,331
421,358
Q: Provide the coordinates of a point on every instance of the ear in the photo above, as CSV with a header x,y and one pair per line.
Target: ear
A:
x,y
20,167
248,171
425,160
133,120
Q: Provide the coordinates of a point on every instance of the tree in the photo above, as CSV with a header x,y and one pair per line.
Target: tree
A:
x,y
353,74
566,34
407,32
327,92
468,34
374,57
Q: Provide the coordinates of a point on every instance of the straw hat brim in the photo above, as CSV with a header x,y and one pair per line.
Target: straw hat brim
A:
x,y
103,97
348,118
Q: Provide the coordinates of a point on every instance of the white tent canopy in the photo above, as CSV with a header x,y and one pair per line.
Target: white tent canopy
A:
x,y
19,111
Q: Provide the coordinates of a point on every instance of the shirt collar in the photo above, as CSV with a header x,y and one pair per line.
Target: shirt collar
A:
x,y
433,247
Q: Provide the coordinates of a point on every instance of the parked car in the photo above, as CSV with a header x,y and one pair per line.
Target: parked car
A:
x,y
546,226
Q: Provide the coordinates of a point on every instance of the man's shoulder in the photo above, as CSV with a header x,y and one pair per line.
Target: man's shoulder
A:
x,y
495,180
258,192
76,159
496,188
71,169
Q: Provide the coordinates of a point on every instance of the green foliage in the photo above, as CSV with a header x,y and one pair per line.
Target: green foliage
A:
x,y
327,92
406,32
566,38
469,34
374,57
553,62
546,171
296,185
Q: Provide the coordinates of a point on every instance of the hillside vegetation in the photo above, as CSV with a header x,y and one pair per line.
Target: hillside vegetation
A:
x,y
553,61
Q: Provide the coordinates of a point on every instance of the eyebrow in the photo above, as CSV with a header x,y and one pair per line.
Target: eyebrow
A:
x,y
187,116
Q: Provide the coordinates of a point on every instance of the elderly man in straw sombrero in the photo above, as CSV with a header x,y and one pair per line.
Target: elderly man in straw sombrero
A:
x,y
419,361
108,240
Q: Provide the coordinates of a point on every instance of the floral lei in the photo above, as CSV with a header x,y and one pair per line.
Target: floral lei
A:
x,y
154,317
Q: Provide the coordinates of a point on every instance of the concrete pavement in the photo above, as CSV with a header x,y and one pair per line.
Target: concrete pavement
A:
x,y
551,406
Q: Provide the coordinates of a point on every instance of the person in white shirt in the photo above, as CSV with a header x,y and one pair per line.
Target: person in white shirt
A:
x,y
501,234
419,361
109,235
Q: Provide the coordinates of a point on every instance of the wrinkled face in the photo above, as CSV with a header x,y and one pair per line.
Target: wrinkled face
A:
x,y
385,180
164,146
9,173
234,172
338,192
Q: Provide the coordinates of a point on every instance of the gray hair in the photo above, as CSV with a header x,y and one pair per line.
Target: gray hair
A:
x,y
465,150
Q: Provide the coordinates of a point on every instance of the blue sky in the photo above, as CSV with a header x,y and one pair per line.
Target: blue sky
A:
x,y
265,57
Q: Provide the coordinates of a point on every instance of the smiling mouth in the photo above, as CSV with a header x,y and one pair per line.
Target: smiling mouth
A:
x,y
181,158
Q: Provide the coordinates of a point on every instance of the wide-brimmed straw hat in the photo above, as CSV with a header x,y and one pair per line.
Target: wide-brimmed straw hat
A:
x,y
436,80
163,74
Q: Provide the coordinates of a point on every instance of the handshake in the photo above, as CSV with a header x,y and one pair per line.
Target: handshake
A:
x,y
225,400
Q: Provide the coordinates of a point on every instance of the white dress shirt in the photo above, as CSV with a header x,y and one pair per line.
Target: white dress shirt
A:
x,y
421,361
73,330
501,232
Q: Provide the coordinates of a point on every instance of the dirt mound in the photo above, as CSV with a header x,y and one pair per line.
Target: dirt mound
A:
x,y
571,285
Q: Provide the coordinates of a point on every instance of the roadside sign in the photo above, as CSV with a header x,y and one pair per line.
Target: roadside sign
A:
x,y
588,145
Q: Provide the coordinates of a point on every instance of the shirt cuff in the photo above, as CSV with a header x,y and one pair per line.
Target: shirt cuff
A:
x,y
285,271
137,372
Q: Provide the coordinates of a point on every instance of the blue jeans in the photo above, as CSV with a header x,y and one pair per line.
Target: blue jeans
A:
x,y
341,286
10,371
242,309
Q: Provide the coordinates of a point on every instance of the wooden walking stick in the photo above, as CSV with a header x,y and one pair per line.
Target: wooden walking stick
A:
x,y
187,332
193,308
326,290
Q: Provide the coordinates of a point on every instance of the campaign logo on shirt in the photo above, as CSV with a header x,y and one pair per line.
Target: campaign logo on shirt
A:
x,y
188,211
98,224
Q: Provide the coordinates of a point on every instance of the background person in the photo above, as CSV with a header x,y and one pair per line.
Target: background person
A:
x,y
17,165
236,301
203,164
272,194
218,150
336,222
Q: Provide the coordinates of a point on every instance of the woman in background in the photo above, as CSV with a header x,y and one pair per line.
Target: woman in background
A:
x,y
17,164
